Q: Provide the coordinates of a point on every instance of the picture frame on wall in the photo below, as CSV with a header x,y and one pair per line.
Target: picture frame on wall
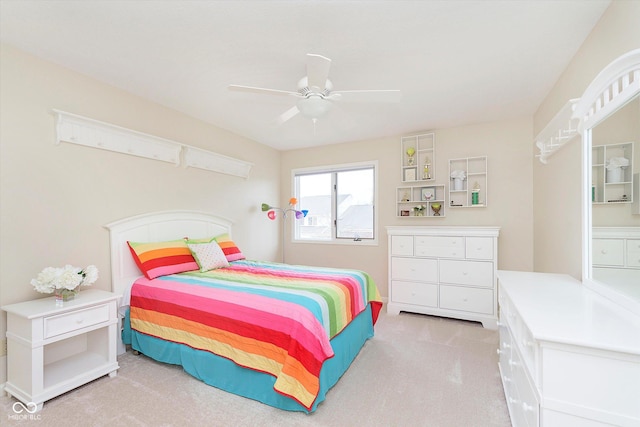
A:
x,y
410,174
428,193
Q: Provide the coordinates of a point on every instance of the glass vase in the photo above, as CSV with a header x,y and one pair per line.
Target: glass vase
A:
x,y
63,295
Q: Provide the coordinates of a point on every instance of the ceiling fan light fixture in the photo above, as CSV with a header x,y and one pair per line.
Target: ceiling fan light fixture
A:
x,y
313,106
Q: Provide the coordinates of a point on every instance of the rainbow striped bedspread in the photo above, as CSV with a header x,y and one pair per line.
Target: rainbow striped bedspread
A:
x,y
273,318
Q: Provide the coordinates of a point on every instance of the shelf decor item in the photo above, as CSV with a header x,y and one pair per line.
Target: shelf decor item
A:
x,y
64,282
435,207
458,177
475,194
419,210
410,153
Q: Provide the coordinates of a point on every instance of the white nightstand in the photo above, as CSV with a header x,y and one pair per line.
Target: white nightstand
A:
x,y
52,350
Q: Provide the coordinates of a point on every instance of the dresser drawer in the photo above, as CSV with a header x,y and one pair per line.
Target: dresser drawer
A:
x,y
466,299
633,253
479,248
440,246
424,294
470,273
68,322
414,269
608,252
402,245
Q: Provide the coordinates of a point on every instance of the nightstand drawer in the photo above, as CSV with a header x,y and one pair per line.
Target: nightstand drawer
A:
x,y
68,322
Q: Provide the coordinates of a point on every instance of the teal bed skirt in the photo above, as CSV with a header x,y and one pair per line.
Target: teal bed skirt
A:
x,y
224,374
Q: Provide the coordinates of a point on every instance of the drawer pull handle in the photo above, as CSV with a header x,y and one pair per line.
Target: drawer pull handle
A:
x,y
512,363
506,379
512,400
505,345
527,408
79,320
604,251
499,351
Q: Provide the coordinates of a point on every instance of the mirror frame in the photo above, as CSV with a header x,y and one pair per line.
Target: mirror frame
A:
x,y
615,86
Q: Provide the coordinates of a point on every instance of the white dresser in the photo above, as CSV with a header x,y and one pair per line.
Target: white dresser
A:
x,y
444,271
568,356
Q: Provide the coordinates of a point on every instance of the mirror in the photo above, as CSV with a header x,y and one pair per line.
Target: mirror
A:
x,y
611,223
615,141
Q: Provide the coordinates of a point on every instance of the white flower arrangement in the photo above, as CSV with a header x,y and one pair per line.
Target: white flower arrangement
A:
x,y
419,208
68,278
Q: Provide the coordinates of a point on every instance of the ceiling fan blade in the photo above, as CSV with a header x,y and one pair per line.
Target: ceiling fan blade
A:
x,y
317,71
366,95
262,90
290,113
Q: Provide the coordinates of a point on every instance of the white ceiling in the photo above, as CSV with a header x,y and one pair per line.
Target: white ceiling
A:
x,y
456,62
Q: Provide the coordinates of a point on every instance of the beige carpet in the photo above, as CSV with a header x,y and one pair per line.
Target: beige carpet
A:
x,y
417,371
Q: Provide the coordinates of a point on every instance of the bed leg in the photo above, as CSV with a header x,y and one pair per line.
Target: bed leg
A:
x,y
136,352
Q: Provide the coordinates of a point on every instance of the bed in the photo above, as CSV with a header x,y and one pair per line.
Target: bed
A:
x,y
280,334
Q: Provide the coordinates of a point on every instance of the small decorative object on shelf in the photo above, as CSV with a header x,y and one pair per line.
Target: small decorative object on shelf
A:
x,y
475,194
435,207
410,152
458,177
64,282
419,210
406,197
426,173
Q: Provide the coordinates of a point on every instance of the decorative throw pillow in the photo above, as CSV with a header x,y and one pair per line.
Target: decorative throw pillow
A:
x,y
231,251
209,256
157,259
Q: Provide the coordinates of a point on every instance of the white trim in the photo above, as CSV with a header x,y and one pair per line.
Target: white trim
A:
x,y
337,168
612,88
76,129
560,130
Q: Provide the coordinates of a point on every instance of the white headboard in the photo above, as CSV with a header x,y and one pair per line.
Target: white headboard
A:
x,y
155,227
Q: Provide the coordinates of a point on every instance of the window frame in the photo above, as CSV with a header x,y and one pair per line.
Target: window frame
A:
x,y
344,167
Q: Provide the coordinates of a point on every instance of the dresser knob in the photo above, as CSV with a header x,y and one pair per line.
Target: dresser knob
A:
x,y
505,345
506,379
604,251
79,320
499,351
526,408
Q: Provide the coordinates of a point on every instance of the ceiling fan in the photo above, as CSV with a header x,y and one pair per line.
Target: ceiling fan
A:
x,y
315,93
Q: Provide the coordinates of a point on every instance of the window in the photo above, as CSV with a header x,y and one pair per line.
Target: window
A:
x,y
341,203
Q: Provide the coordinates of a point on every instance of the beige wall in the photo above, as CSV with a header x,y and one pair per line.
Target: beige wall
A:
x,y
557,185
56,198
507,145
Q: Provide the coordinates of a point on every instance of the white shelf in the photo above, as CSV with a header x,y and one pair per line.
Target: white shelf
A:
x,y
409,197
475,170
419,168
76,129
607,189
560,130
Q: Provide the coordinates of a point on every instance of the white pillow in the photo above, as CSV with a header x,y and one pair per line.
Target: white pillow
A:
x,y
209,256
